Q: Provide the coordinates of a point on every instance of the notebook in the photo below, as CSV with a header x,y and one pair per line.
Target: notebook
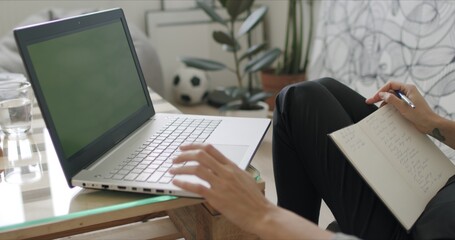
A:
x,y
95,103
403,166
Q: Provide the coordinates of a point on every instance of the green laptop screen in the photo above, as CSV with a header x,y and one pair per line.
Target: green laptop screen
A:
x,y
90,83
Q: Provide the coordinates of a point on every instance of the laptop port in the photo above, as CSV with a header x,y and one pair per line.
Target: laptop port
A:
x,y
159,191
147,190
105,186
121,187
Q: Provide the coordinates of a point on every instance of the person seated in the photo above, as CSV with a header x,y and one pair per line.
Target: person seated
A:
x,y
308,167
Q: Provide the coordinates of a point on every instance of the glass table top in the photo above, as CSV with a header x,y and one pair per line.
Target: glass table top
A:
x,y
33,189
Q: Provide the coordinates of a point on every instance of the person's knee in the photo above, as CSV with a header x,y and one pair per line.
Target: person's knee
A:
x,y
328,81
306,92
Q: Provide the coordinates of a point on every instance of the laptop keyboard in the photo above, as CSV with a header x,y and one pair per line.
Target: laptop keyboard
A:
x,y
152,160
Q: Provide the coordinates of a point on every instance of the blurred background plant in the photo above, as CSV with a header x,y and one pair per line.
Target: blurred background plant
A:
x,y
292,61
293,64
255,58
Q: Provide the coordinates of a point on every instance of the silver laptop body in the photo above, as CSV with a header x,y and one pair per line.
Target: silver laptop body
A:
x,y
94,100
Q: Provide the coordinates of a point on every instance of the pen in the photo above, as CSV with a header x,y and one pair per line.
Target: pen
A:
x,y
406,99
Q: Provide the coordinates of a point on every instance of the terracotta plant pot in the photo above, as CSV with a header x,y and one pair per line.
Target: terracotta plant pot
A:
x,y
274,83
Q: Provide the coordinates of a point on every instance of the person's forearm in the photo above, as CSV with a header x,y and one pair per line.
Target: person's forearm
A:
x,y
444,130
279,223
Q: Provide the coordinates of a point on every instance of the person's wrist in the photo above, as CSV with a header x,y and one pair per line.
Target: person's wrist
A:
x,y
434,122
434,126
265,222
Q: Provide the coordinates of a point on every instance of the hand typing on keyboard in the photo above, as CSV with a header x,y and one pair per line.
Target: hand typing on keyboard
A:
x,y
232,191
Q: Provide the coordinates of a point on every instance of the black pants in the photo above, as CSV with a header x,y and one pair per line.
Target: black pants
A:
x,y
308,166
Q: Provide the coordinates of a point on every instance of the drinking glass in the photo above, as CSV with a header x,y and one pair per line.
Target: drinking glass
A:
x,y
16,97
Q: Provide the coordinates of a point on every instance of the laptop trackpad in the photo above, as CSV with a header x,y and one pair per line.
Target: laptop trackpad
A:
x,y
235,153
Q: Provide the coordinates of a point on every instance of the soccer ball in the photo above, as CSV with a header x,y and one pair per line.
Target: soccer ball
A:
x,y
190,86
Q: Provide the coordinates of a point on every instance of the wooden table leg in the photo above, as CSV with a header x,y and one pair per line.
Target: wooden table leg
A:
x,y
201,221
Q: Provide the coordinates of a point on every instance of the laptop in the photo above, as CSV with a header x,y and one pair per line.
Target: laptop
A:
x,y
94,100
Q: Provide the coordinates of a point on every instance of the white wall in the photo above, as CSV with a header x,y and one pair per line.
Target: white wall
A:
x,y
12,12
275,21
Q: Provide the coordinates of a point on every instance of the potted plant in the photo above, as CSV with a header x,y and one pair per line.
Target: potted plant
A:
x,y
248,61
292,67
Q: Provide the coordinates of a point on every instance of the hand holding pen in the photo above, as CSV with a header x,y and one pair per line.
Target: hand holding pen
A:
x,y
405,99
409,102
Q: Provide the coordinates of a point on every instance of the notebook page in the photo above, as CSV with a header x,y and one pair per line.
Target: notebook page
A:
x,y
422,164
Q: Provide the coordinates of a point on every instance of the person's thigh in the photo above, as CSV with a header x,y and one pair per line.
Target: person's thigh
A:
x,y
305,114
352,102
438,219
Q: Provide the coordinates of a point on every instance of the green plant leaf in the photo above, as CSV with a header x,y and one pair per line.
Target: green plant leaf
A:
x,y
260,96
263,61
224,38
253,50
234,105
235,91
211,12
237,7
203,64
223,2
252,20
231,49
